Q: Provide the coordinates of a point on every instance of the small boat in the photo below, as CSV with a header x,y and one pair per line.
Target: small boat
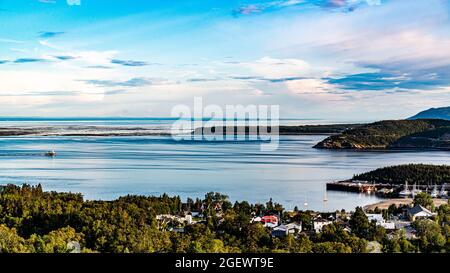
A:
x,y
325,198
405,192
415,190
434,192
443,193
50,153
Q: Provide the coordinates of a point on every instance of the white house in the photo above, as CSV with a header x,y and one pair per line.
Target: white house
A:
x,y
284,230
379,220
319,223
418,212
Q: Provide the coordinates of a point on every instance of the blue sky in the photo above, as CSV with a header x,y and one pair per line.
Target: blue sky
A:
x,y
329,59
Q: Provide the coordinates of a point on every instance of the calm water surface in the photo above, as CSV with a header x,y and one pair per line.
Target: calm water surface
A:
x,y
108,167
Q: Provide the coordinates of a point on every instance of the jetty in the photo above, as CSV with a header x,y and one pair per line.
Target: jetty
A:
x,y
354,186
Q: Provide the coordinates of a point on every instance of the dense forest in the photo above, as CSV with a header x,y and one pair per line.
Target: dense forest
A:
x,y
420,174
392,134
325,129
434,113
32,220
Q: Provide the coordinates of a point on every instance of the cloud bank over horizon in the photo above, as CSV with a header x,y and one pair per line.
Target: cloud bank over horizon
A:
x,y
330,59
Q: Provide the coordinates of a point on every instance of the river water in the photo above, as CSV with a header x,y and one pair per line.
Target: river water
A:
x,y
109,167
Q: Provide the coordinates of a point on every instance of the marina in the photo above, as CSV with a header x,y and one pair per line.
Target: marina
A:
x,y
388,190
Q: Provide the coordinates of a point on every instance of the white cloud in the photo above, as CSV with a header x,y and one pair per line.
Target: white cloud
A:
x,y
278,68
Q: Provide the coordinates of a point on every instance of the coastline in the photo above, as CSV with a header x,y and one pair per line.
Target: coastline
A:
x,y
83,130
400,202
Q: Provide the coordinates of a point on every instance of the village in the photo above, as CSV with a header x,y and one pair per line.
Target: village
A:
x,y
397,217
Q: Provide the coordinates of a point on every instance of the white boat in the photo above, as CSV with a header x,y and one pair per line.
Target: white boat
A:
x,y
434,193
443,192
325,198
415,191
405,192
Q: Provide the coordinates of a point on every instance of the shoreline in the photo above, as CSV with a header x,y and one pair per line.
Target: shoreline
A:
x,y
83,130
400,201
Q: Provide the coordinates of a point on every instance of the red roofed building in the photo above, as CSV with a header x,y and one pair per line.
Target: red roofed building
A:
x,y
270,221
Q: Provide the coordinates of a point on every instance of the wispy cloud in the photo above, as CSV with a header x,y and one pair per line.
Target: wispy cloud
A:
x,y
69,2
203,80
134,82
272,80
50,34
115,92
99,67
65,57
42,94
129,62
340,5
388,77
261,7
12,41
30,60
346,5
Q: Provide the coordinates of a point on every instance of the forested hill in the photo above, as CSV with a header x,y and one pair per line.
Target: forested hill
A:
x,y
413,173
434,113
424,134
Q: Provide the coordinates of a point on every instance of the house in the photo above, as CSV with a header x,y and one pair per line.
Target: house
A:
x,y
319,223
387,225
379,221
188,219
284,230
418,212
165,219
196,214
270,221
378,218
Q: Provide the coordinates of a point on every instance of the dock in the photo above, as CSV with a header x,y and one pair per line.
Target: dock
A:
x,y
357,186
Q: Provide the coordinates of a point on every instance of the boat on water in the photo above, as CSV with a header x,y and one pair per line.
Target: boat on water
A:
x,y
415,190
443,193
325,198
405,192
434,193
50,154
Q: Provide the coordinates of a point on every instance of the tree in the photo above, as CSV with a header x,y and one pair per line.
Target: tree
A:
x,y
305,218
359,223
58,241
303,244
11,242
256,235
331,247
430,236
398,244
425,200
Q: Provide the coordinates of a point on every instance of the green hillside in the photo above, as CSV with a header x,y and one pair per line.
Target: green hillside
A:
x,y
413,173
392,134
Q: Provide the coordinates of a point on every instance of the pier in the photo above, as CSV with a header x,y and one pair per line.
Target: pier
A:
x,y
358,186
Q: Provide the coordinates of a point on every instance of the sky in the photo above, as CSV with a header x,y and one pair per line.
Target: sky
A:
x,y
317,59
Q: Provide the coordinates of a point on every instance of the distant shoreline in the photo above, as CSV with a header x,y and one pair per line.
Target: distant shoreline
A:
x,y
109,131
